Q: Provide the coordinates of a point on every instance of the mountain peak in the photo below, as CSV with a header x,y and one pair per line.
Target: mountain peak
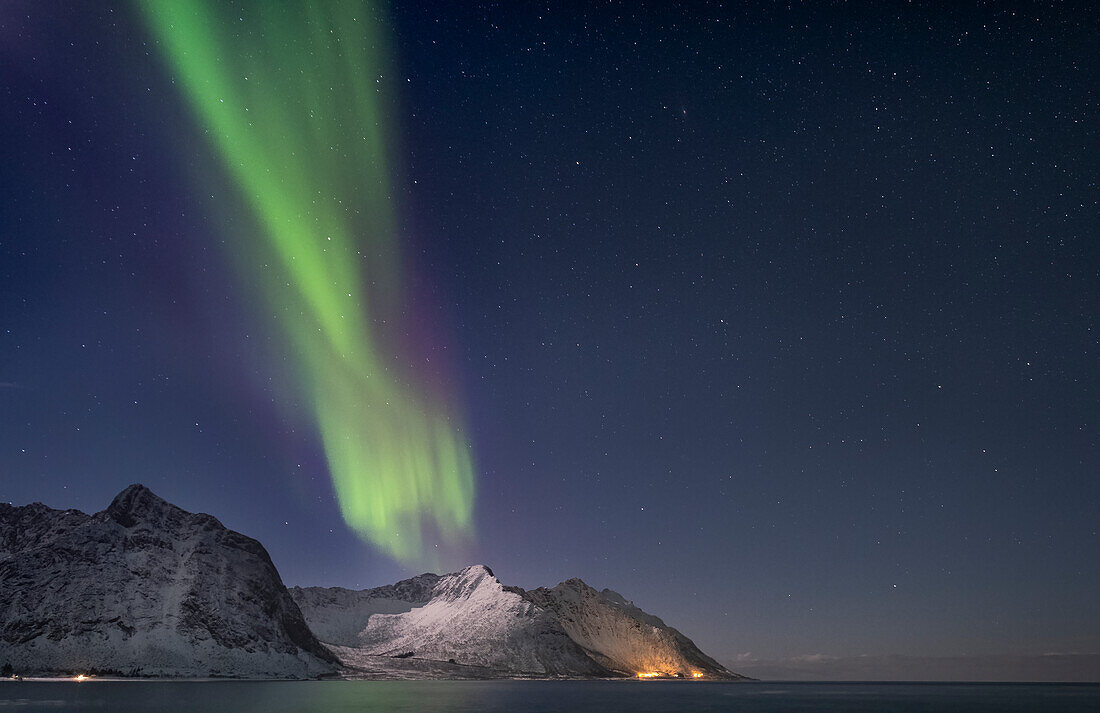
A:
x,y
478,569
465,582
135,503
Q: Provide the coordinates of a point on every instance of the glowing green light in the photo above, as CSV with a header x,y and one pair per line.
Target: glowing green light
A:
x,y
289,95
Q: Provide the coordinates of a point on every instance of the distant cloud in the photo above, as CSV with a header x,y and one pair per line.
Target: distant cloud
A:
x,y
813,658
1069,667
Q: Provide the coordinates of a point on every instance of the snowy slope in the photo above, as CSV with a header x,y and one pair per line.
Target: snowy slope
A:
x,y
621,636
337,615
145,588
471,619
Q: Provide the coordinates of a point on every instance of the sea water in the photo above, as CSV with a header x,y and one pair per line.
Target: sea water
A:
x,y
543,697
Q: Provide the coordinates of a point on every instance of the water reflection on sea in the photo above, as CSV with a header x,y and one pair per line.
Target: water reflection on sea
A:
x,y
542,697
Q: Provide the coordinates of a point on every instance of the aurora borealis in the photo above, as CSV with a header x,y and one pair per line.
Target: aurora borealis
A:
x,y
289,95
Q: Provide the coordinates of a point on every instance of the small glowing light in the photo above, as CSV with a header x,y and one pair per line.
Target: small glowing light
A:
x,y
696,674
81,677
648,674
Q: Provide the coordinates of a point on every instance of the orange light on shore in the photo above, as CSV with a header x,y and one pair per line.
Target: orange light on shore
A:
x,y
696,674
81,677
649,674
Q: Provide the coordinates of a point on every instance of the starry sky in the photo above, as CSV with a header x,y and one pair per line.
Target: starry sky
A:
x,y
779,320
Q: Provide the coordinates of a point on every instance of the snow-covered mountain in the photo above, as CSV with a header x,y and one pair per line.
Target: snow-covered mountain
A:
x,y
622,637
469,618
145,588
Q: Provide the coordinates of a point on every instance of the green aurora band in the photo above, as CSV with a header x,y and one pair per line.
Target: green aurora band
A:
x,y
289,95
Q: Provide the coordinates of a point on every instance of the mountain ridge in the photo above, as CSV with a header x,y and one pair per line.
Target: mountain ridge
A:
x,y
145,588
448,624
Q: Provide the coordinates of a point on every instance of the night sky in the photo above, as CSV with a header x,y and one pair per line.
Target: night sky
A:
x,y
780,321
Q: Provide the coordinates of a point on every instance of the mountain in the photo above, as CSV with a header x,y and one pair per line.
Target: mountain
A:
x,y
620,636
145,588
470,619
467,618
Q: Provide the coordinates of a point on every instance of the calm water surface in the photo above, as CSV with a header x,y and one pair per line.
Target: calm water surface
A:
x,y
543,697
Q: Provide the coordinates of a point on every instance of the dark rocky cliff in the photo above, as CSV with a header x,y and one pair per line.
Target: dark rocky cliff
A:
x,y
145,588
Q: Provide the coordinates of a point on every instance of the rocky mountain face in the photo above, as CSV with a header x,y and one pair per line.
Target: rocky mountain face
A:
x,y
145,588
470,619
620,636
